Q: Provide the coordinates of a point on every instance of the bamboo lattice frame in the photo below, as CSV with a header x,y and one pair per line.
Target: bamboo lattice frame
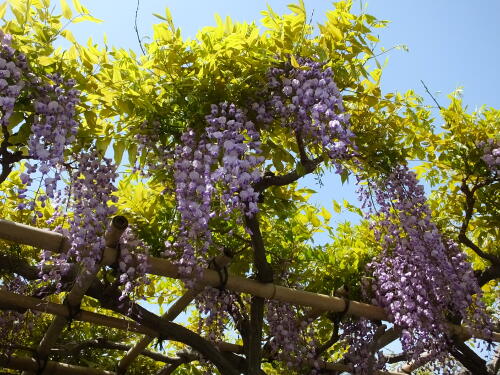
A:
x,y
53,241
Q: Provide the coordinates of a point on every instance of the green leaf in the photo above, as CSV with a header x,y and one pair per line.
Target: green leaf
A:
x,y
79,8
86,17
336,207
294,62
160,17
3,8
132,153
102,144
46,61
66,10
68,35
315,221
118,148
344,176
326,214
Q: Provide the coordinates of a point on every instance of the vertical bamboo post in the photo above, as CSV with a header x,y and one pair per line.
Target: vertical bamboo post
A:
x,y
171,314
82,283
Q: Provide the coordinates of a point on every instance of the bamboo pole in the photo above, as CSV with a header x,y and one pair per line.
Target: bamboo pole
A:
x,y
163,267
412,366
51,368
32,236
82,283
169,315
10,300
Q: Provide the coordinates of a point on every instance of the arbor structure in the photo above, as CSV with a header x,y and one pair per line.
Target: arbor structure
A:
x,y
194,149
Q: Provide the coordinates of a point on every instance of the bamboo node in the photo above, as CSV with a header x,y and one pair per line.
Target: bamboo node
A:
x,y
274,291
222,272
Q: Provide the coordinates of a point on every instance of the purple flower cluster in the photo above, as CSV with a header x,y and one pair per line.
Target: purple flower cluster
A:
x,y
419,276
307,100
53,129
291,343
132,263
224,156
360,335
239,142
214,306
91,189
13,76
53,105
491,154
194,189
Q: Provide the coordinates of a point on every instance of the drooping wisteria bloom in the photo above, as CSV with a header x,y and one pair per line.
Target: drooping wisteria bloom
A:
x,y
90,200
491,154
293,339
306,100
133,263
420,277
359,335
222,163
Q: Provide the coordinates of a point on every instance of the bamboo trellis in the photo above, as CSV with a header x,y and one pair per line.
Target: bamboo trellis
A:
x,y
48,240
77,292
13,300
171,314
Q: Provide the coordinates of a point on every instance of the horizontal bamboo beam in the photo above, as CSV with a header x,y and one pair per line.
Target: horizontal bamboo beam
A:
x,y
169,315
10,300
163,267
51,367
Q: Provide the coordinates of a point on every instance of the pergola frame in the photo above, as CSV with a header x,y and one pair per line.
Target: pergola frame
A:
x,y
56,242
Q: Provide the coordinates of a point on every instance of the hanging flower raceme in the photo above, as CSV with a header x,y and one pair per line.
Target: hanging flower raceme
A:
x,y
13,77
420,278
292,338
363,356
224,160
53,129
491,154
238,143
132,263
307,100
89,194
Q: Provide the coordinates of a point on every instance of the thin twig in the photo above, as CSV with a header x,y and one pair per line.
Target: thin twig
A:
x,y
137,29
432,96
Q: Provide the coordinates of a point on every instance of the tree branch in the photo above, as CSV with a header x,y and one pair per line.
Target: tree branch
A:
x,y
300,145
469,210
109,298
265,275
7,158
286,179
468,358
137,29
490,273
332,340
73,349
